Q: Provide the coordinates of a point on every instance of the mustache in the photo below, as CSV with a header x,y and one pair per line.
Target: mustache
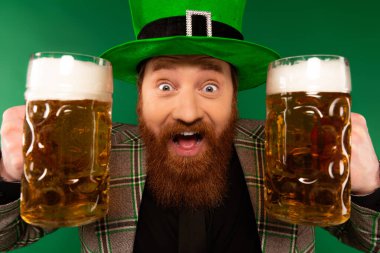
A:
x,y
201,128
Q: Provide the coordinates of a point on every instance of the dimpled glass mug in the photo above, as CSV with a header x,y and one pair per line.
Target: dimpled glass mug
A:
x,y
66,141
308,132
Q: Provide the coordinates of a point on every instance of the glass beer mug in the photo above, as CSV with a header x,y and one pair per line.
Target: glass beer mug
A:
x,y
66,141
308,131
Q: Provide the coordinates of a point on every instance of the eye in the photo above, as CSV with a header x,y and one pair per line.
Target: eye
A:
x,y
165,87
210,88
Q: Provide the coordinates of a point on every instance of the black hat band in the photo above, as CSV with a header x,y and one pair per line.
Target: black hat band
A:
x,y
177,26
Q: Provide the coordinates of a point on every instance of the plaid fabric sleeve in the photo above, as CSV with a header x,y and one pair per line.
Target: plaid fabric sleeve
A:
x,y
14,232
361,231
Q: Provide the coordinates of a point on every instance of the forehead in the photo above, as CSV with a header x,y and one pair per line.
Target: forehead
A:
x,y
203,62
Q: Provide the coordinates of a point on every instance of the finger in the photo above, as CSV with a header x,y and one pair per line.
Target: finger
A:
x,y
14,113
359,128
358,120
11,143
11,134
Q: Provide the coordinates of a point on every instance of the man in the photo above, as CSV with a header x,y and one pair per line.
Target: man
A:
x,y
193,153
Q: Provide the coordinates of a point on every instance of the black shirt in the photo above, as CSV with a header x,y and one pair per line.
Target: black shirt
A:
x,y
231,227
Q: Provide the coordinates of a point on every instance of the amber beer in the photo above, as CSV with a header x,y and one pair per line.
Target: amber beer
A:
x,y
308,149
66,143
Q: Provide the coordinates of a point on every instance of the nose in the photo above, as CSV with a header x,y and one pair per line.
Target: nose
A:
x,y
188,108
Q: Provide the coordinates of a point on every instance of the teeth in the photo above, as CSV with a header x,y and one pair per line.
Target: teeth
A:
x,y
188,133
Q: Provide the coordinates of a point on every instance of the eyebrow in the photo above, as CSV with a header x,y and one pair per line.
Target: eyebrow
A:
x,y
163,64
171,63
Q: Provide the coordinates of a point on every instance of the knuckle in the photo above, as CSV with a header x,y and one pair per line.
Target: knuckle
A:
x,y
10,128
17,162
13,167
358,118
12,149
16,112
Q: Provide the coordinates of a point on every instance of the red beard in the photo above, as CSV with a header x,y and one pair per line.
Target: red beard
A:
x,y
194,182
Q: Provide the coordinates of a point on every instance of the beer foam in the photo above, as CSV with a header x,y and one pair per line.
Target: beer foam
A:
x,y
312,75
68,79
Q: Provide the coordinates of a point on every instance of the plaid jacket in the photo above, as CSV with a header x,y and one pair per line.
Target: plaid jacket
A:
x,y
116,232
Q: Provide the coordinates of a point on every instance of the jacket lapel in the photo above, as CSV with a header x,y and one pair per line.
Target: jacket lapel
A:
x,y
250,147
116,231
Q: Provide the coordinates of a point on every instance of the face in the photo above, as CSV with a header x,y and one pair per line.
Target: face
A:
x,y
177,91
187,111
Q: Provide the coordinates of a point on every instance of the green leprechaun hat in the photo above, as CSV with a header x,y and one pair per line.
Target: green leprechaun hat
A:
x,y
191,27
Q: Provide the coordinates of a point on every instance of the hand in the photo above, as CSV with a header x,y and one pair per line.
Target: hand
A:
x,y
12,162
365,174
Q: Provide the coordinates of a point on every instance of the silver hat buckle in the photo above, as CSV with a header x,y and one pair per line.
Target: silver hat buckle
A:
x,y
189,22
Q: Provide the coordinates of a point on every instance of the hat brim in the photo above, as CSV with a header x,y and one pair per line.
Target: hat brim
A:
x,y
251,60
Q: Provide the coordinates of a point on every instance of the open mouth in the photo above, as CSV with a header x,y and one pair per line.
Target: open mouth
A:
x,y
187,137
187,143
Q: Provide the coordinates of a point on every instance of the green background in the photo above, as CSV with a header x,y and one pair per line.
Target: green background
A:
x,y
349,28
